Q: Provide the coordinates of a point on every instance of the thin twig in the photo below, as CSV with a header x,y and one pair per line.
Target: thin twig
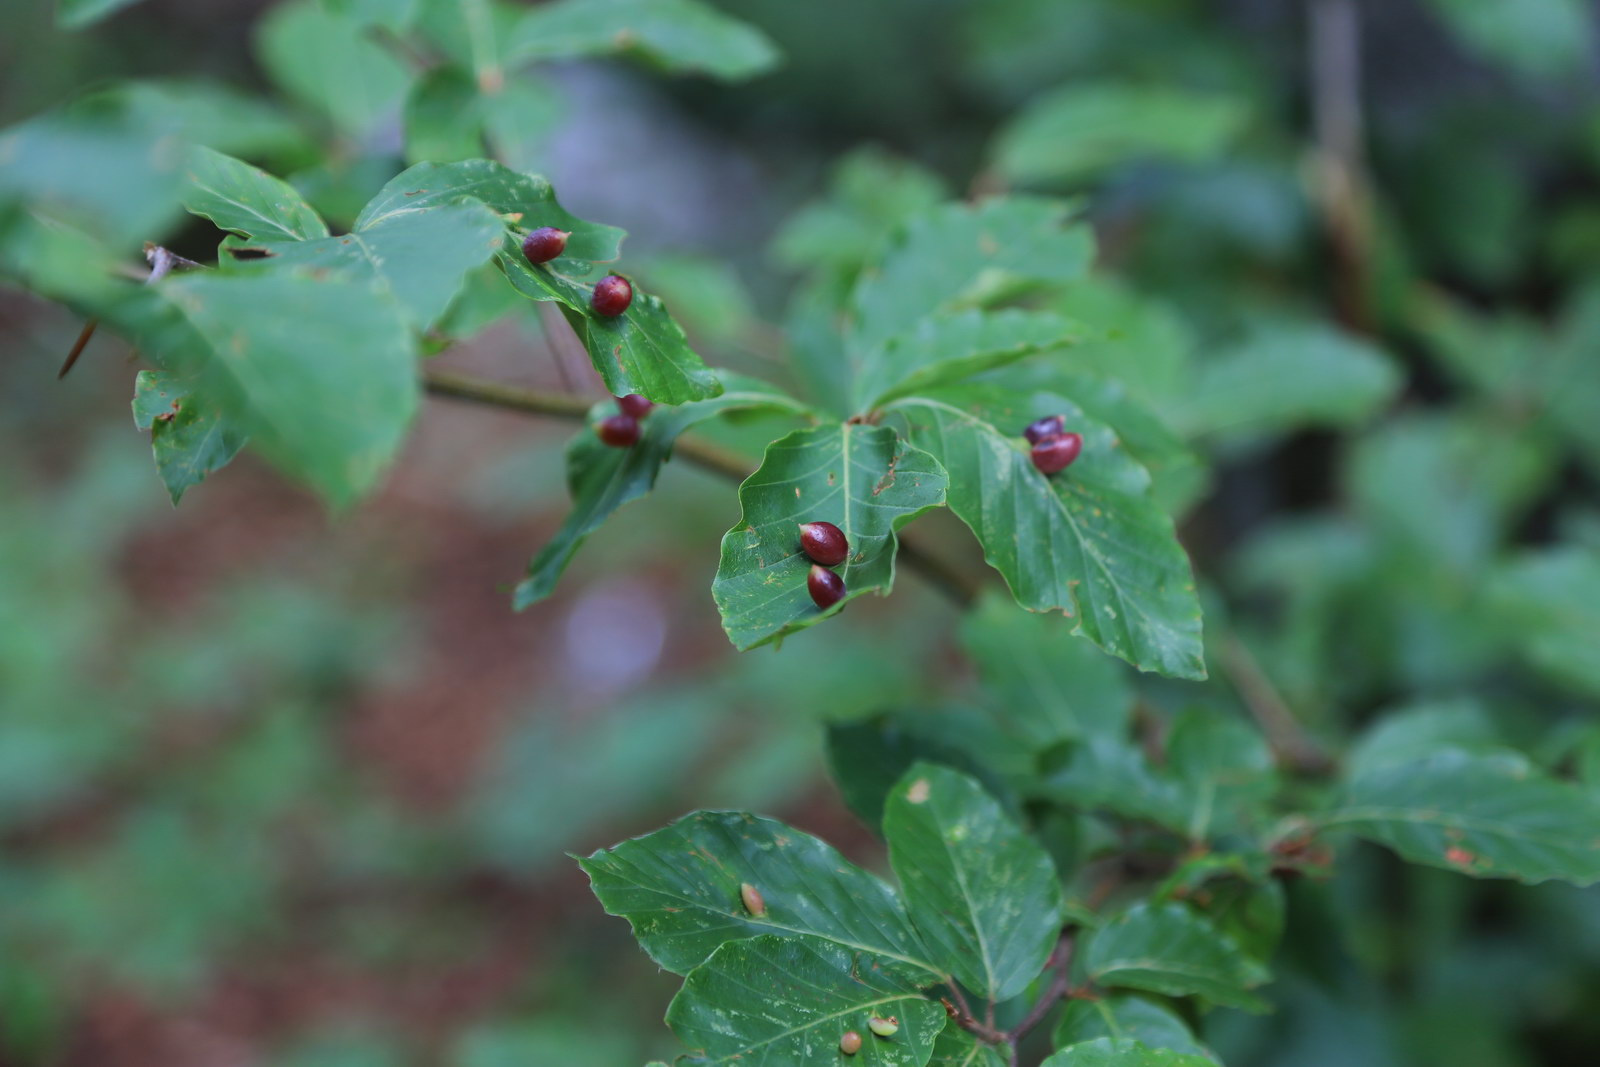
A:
x,y
1061,963
961,588
1294,748
161,261
1341,174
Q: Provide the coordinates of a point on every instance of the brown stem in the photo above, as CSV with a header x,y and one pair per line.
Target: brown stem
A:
x,y
1295,749
708,455
1061,962
1342,188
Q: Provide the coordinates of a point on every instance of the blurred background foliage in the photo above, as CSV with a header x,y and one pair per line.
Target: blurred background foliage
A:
x,y
279,790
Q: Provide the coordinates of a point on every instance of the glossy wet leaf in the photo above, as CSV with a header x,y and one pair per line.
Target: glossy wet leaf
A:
x,y
675,35
1123,1018
865,480
788,1000
420,258
506,191
945,348
188,432
319,374
600,479
1178,476
679,889
983,894
1097,547
247,200
1485,815
643,350
1167,948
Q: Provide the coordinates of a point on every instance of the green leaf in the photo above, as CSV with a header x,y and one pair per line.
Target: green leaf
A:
x,y
1436,495
983,894
672,35
679,890
208,113
643,350
1237,893
1124,1019
1078,131
870,193
946,348
331,412
443,122
247,200
519,120
1226,769
1043,683
76,14
865,480
960,1048
1096,546
393,15
189,435
1405,735
99,166
507,192
1490,816
1169,949
958,256
1550,604
1105,772
327,62
782,1000
419,258
1537,39
1104,1052
600,479
1177,474
1285,377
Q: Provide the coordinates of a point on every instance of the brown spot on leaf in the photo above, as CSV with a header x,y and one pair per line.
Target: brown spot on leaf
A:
x,y
1460,856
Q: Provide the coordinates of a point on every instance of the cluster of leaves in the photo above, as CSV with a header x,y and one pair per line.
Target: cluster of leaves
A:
x,y
304,345
1049,847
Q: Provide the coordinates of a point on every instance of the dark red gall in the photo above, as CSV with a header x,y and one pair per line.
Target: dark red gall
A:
x,y
545,244
635,405
1049,426
825,543
1056,452
612,295
618,431
826,588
